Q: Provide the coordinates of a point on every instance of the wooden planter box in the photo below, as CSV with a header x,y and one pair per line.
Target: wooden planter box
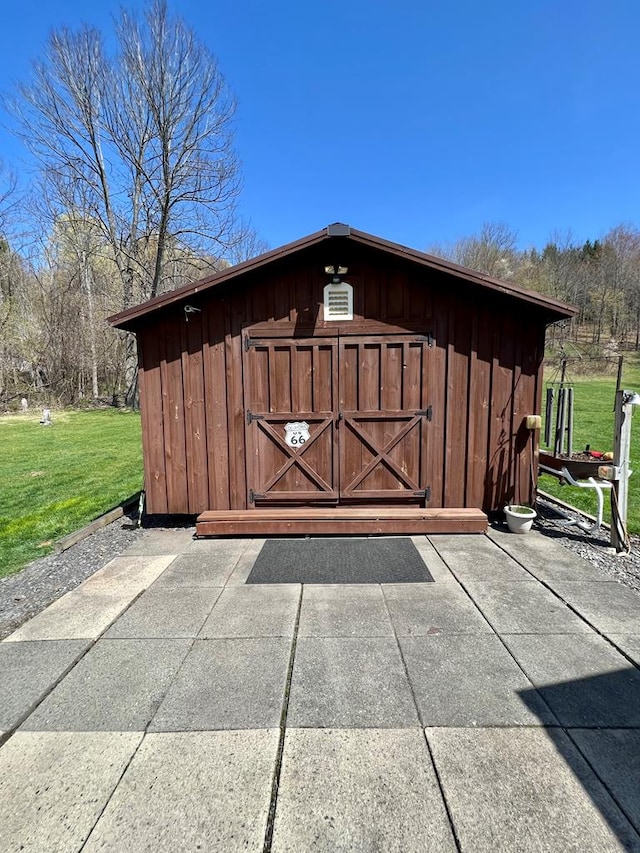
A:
x,y
578,468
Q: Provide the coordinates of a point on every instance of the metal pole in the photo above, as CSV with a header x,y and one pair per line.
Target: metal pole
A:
x,y
563,418
570,423
563,373
563,407
548,418
621,458
619,377
558,432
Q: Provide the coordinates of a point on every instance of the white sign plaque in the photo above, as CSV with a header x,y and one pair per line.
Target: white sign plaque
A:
x,y
296,433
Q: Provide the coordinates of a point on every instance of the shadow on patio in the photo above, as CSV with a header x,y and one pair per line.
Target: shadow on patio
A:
x,y
600,716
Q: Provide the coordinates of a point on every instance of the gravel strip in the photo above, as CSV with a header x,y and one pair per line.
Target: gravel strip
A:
x,y
560,524
26,593
40,583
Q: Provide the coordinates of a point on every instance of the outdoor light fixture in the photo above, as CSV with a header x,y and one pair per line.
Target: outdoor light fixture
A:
x,y
190,309
336,269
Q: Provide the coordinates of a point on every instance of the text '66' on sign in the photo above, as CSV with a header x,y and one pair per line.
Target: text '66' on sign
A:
x,y
296,433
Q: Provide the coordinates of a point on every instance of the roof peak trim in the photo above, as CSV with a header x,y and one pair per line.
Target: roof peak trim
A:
x,y
555,309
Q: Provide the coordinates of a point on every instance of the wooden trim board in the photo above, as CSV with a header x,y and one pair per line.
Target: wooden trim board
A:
x,y
358,520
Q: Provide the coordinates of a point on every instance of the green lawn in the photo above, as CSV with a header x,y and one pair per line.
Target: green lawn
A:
x,y
593,423
56,479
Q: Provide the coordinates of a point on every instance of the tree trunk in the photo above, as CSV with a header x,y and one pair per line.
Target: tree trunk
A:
x,y
92,328
131,396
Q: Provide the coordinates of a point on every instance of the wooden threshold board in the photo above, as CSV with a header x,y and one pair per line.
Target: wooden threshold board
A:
x,y
345,520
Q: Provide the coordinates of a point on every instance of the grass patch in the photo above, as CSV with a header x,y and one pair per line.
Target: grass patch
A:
x,y
593,423
56,479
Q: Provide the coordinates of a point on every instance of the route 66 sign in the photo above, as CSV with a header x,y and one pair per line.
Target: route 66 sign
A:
x,y
296,433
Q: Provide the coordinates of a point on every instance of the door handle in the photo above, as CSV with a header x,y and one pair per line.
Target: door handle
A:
x,y
340,416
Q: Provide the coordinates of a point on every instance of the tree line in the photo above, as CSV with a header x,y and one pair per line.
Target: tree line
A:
x,y
600,277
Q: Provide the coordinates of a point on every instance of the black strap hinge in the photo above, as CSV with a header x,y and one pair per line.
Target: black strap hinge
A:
x,y
252,417
248,342
428,338
426,413
425,494
253,495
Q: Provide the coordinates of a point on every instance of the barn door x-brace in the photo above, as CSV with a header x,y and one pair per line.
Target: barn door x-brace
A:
x,y
333,421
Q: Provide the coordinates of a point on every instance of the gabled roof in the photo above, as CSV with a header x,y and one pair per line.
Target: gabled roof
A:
x,y
554,308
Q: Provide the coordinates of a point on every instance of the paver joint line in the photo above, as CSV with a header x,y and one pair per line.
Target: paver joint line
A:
x,y
460,584
268,835
508,650
113,790
90,644
547,585
170,684
565,729
447,806
404,663
598,776
422,728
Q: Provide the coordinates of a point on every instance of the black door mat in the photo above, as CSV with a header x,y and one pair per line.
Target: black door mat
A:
x,y
345,561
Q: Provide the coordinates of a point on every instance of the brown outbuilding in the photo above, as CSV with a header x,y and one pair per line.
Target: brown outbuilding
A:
x,y
341,383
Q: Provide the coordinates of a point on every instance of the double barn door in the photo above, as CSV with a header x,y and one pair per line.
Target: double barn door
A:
x,y
336,420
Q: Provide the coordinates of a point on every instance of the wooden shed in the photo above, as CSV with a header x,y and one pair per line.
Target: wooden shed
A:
x,y
341,383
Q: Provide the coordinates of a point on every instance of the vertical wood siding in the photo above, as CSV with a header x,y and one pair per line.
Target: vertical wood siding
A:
x,y
152,421
437,369
194,411
457,419
215,372
173,417
480,363
235,404
481,375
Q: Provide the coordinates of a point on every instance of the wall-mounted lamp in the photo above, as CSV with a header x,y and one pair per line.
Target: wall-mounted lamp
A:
x,y
336,269
190,309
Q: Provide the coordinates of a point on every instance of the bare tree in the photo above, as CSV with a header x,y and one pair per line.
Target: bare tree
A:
x,y
139,142
247,245
8,202
11,270
492,251
619,277
76,249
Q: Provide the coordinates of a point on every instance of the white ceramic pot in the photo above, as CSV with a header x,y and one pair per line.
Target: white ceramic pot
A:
x,y
519,518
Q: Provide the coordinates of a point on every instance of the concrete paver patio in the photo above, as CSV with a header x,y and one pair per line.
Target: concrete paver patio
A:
x,y
164,705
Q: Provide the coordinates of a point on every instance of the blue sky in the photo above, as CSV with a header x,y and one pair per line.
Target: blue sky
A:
x,y
416,121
